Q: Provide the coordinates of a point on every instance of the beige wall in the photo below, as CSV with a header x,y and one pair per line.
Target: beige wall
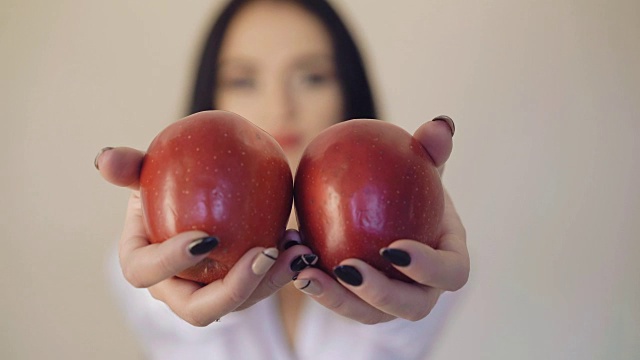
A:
x,y
545,94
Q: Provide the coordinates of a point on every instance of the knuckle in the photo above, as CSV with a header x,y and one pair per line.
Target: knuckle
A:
x,y
165,265
273,283
196,318
247,304
460,278
382,299
372,319
133,277
236,296
424,310
336,303
419,315
155,294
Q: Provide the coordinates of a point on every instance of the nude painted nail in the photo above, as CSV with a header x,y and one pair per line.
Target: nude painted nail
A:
x,y
264,261
308,286
449,122
102,151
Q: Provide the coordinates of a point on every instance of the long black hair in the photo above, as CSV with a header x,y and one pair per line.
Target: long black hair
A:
x,y
357,94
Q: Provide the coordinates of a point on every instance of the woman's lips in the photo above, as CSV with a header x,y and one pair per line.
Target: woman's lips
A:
x,y
288,141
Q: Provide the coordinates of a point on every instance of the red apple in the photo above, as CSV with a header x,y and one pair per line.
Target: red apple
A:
x,y
362,184
215,171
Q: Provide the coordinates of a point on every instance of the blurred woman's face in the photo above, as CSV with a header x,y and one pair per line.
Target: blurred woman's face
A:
x,y
277,70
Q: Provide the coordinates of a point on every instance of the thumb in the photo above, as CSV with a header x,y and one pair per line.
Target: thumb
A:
x,y
436,137
120,166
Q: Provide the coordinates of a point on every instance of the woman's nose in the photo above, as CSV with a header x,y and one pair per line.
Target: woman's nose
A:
x,y
280,105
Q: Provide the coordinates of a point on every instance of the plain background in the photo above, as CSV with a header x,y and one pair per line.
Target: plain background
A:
x,y
545,169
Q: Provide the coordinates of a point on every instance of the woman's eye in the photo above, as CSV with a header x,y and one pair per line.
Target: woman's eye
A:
x,y
239,83
315,79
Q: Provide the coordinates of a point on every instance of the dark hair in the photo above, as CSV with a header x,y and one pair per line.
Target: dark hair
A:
x,y
358,98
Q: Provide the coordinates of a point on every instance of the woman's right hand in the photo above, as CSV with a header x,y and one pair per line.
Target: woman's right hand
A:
x,y
154,266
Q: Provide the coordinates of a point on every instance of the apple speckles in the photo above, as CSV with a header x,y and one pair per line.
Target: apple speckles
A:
x,y
371,152
186,161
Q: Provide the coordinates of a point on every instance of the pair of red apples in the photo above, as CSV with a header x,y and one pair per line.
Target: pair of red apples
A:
x,y
360,185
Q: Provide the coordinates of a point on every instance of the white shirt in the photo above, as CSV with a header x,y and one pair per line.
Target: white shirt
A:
x,y
257,332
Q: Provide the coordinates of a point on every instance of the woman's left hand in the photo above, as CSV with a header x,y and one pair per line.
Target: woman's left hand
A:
x,y
377,298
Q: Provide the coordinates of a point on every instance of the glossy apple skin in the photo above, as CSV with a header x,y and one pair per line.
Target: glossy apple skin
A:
x,y
217,172
362,184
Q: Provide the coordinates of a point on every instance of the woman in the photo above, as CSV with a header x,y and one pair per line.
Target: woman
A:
x,y
291,68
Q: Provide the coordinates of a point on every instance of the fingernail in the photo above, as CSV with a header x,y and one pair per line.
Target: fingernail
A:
x,y
95,161
396,256
264,261
348,274
303,261
292,238
310,287
291,243
449,122
203,245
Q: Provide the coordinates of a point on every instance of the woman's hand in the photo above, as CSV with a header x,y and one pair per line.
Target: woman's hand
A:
x,y
366,295
257,275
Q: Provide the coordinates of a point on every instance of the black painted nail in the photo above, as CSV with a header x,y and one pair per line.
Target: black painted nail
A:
x,y
291,243
449,122
396,256
348,274
95,161
303,261
203,245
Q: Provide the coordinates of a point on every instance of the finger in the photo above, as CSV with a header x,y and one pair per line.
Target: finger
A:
x,y
408,301
446,267
120,166
146,265
451,222
289,263
200,306
291,238
436,137
330,294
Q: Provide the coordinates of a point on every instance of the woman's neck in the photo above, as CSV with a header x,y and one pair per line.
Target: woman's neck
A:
x,y
290,304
